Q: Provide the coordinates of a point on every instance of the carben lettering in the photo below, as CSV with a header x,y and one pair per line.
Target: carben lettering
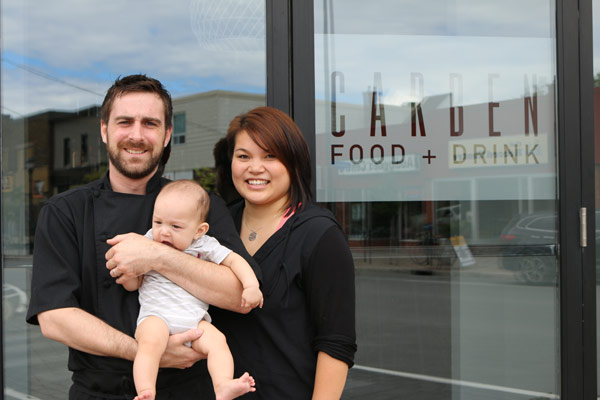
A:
x,y
418,126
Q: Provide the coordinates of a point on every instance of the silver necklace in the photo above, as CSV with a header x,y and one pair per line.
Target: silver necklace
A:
x,y
254,232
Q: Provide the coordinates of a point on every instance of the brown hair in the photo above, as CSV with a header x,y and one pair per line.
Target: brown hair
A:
x,y
139,83
192,188
274,131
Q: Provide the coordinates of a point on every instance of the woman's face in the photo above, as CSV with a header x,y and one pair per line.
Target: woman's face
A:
x,y
258,176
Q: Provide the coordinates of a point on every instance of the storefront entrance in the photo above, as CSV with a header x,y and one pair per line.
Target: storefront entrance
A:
x,y
453,140
440,158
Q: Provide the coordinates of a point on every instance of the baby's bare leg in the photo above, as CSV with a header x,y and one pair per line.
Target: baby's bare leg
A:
x,y
152,336
220,364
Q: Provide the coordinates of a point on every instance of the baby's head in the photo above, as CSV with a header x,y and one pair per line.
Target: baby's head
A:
x,y
180,213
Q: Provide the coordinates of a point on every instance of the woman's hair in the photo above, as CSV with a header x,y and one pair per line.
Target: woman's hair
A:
x,y
274,132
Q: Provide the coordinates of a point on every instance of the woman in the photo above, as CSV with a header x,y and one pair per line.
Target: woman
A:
x,y
303,340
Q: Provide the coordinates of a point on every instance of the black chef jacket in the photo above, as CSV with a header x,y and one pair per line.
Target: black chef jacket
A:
x,y
69,270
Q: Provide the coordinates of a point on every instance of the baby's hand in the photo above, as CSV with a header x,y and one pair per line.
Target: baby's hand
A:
x,y
252,297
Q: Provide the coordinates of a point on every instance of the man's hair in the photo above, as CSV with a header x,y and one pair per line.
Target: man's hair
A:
x,y
189,187
275,132
137,83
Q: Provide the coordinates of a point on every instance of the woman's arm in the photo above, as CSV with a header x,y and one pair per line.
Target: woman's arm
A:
x,y
329,283
330,377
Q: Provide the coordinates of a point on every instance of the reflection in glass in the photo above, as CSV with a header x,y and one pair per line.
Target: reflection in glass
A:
x,y
435,148
58,59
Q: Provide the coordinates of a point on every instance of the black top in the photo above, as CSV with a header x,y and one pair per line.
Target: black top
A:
x,y
309,306
69,270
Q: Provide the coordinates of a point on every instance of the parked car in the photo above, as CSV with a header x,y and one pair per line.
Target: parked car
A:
x,y
529,247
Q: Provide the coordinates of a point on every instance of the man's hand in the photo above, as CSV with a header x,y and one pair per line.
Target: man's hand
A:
x,y
252,297
177,354
131,255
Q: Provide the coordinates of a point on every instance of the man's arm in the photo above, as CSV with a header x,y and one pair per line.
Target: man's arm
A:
x,y
83,331
133,255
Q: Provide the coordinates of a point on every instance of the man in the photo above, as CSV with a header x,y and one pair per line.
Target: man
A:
x,y
74,295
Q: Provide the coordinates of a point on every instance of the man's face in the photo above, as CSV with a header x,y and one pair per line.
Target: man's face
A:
x,y
135,134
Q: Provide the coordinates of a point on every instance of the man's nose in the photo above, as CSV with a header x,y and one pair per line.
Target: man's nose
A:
x,y
136,132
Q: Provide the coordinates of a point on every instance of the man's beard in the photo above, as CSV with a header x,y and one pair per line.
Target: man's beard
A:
x,y
135,171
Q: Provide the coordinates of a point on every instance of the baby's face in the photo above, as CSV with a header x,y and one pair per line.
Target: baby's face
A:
x,y
175,220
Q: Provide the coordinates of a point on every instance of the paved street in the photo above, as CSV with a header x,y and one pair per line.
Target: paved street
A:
x,y
425,332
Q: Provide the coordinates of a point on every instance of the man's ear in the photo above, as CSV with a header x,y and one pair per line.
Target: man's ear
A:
x,y
103,131
202,229
168,132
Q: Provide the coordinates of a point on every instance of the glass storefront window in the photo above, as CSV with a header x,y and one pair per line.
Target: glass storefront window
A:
x,y
58,60
436,149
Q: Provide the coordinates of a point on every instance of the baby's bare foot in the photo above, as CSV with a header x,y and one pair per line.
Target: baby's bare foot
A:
x,y
233,388
146,395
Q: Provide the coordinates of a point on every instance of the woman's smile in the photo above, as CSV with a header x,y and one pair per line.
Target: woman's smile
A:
x,y
258,175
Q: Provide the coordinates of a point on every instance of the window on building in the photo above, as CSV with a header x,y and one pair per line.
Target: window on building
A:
x,y
179,128
66,151
84,148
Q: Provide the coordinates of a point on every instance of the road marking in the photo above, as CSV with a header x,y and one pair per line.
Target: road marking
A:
x,y
456,382
449,282
12,393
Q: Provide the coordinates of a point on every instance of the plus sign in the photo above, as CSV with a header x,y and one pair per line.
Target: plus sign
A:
x,y
429,156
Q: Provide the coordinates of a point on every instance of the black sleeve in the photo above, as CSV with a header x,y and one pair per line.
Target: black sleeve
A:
x,y
56,280
222,228
330,293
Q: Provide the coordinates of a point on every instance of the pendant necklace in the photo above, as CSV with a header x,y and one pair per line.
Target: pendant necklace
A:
x,y
254,232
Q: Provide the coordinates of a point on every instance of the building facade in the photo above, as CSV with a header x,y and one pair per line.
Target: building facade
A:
x,y
457,143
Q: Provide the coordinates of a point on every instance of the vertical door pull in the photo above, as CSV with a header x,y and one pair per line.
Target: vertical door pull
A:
x,y
583,225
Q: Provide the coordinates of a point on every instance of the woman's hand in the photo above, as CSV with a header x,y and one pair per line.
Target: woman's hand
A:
x,y
131,255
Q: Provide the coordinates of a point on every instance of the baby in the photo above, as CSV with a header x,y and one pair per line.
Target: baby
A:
x,y
165,308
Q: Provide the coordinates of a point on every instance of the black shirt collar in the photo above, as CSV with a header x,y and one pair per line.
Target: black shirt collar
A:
x,y
153,184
